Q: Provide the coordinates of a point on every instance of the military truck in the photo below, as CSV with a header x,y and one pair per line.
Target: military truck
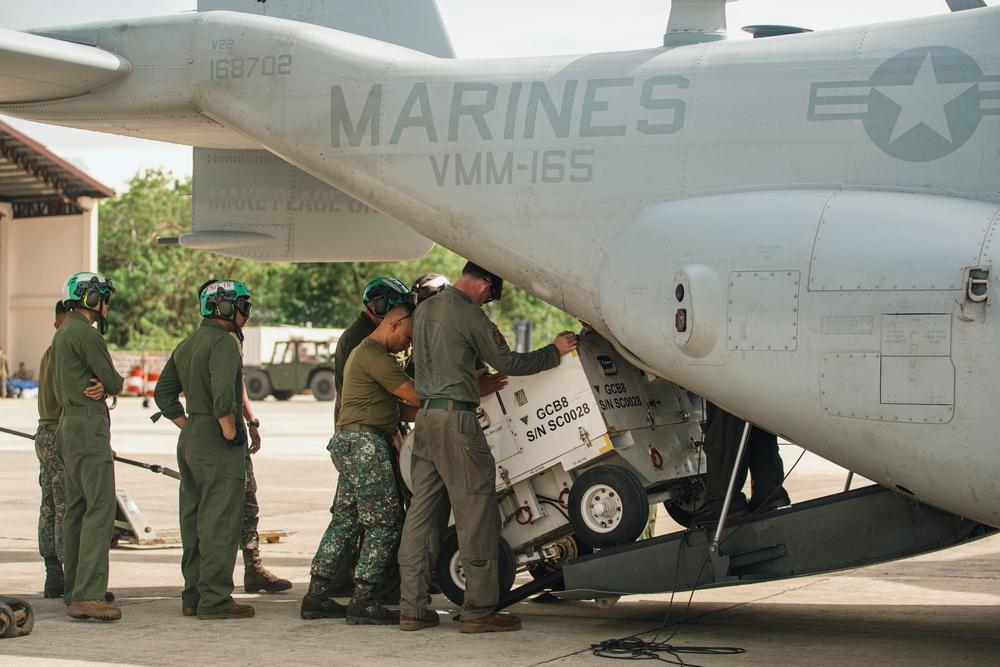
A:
x,y
295,366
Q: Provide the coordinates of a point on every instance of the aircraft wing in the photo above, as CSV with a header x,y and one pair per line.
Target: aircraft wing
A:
x,y
40,69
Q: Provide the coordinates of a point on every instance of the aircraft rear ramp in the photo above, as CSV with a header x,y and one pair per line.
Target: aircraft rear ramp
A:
x,y
846,530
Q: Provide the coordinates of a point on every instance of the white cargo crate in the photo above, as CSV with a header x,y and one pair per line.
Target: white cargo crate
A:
x,y
538,421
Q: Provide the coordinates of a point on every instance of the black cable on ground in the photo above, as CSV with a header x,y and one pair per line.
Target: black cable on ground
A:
x,y
635,648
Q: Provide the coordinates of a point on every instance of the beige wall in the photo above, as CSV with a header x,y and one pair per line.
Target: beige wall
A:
x,y
36,257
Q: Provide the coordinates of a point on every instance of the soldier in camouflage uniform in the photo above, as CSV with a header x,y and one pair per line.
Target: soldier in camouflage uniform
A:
x,y
378,297
376,394
50,473
256,577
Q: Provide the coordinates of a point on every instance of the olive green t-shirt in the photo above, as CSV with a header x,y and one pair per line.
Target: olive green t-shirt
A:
x,y
48,407
370,377
360,328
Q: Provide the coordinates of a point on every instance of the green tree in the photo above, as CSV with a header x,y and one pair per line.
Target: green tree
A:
x,y
155,304
329,294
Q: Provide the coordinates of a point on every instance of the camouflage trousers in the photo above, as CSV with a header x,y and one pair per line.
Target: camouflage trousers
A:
x,y
52,482
251,510
367,498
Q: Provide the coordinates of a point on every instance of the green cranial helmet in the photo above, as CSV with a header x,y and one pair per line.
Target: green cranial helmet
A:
x,y
224,298
382,294
88,288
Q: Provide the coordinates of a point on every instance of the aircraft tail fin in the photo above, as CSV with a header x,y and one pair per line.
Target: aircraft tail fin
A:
x,y
254,205
415,24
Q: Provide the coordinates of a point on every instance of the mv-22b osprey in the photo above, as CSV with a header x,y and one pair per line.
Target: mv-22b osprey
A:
x,y
801,228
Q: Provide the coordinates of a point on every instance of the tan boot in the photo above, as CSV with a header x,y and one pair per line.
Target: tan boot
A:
x,y
256,577
430,619
493,623
236,611
97,609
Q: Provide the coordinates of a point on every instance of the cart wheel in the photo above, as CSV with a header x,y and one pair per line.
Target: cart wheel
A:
x,y
608,507
569,547
258,384
322,385
684,511
451,573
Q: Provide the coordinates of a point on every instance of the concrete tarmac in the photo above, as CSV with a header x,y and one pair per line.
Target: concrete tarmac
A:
x,y
939,608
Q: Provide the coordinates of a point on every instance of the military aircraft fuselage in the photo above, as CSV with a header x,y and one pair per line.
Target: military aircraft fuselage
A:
x,y
801,229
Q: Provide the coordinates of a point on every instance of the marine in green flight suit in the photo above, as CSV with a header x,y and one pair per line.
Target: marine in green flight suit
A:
x,y
211,449
80,359
451,458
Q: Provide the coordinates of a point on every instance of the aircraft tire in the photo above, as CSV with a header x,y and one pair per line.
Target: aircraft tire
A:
x,y
322,385
608,507
258,384
685,511
451,577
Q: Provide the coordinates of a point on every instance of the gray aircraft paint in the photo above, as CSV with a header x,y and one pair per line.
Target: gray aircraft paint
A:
x,y
812,237
962,94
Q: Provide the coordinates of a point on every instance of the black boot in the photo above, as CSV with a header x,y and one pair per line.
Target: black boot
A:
x,y
363,609
317,603
54,582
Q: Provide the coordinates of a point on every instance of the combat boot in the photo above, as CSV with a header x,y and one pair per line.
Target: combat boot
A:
x,y
236,611
54,581
364,609
317,603
97,609
256,577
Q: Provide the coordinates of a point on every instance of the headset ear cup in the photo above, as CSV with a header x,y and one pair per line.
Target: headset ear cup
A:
x,y
380,306
92,298
225,308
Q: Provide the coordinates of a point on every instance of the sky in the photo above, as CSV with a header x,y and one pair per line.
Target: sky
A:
x,y
478,29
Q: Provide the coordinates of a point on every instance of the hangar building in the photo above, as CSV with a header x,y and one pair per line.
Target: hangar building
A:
x,y
48,230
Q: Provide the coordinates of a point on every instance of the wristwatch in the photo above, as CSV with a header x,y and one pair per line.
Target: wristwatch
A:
x,y
254,423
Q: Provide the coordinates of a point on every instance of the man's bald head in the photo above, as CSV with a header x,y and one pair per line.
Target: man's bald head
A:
x,y
393,332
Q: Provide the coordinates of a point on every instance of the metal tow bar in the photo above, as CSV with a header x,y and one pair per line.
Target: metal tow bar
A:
x,y
152,467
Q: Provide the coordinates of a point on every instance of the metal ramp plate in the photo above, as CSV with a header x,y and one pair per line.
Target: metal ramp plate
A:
x,y
846,530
